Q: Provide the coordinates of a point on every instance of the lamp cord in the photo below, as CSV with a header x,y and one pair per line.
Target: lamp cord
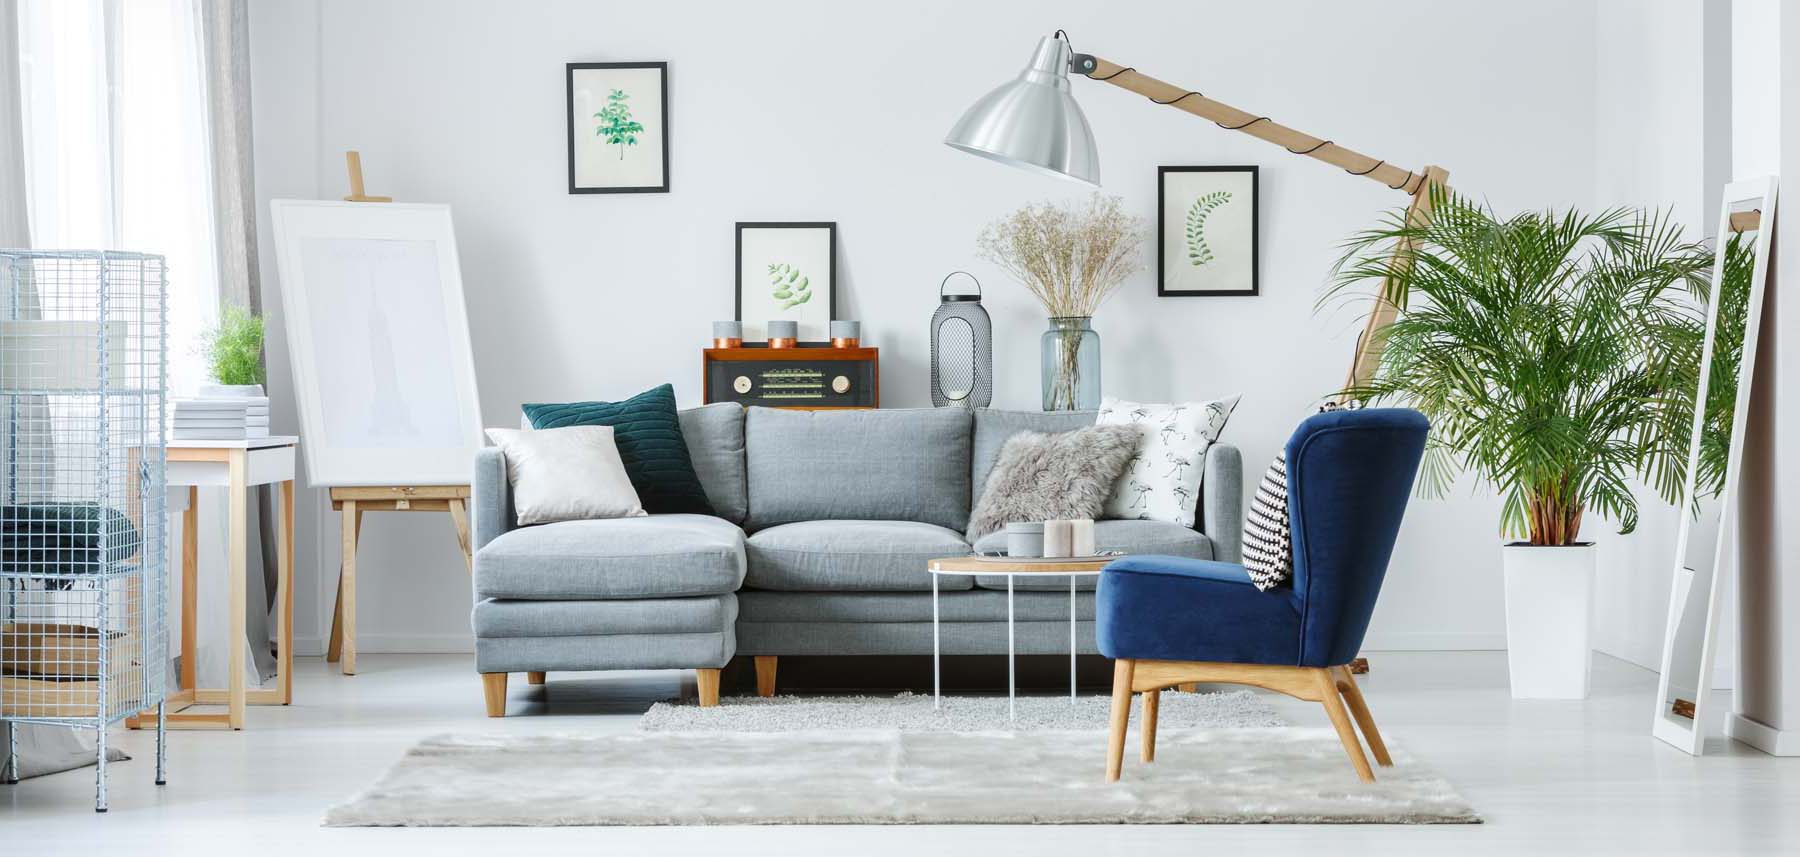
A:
x,y
1407,184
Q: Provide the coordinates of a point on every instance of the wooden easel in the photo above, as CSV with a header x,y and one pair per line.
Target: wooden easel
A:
x,y
351,503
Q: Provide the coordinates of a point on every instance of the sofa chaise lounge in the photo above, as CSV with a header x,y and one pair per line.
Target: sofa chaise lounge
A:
x,y
824,522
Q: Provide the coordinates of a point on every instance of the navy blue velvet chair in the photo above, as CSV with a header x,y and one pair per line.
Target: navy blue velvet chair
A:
x,y
1169,621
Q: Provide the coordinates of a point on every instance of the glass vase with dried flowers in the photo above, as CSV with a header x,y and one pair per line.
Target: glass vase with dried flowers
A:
x,y
1071,257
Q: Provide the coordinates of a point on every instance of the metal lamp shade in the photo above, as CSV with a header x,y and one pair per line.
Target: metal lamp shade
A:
x,y
962,351
1033,122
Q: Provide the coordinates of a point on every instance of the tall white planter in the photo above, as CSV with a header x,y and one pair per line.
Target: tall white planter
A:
x,y
1549,619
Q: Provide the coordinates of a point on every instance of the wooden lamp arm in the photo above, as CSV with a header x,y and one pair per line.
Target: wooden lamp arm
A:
x,y
1416,184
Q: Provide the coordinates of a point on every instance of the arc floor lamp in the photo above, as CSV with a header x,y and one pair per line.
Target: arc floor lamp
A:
x,y
1033,122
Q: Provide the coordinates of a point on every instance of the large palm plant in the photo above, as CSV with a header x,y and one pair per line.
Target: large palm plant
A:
x,y
1555,354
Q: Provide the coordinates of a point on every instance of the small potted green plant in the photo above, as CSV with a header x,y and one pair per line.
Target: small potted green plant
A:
x,y
233,350
1556,355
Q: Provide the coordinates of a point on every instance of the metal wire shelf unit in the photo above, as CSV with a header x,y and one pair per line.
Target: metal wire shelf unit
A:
x,y
83,562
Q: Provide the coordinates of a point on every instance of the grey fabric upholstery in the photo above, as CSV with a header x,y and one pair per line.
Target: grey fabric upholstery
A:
x,y
678,633
660,556
892,465
494,617
715,442
874,607
857,556
710,650
912,638
1132,537
490,497
993,427
1221,514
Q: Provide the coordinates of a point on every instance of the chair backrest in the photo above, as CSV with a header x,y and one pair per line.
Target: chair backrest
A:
x,y
1349,476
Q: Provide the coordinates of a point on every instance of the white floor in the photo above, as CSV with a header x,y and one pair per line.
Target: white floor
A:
x,y
1551,778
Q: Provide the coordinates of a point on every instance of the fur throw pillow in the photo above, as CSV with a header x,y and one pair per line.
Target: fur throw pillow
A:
x,y
1053,477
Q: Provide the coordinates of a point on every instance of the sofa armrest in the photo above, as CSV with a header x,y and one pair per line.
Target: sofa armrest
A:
x,y
1222,502
493,510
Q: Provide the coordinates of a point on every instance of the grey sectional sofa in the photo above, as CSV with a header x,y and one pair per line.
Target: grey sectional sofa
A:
x,y
825,522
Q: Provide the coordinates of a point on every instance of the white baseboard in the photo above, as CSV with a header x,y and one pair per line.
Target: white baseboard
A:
x,y
1775,742
1431,641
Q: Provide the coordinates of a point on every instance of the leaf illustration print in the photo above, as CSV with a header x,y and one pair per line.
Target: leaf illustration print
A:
x,y
616,124
788,285
1198,251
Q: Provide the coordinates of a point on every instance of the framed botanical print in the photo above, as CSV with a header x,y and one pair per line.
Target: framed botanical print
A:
x,y
788,272
1206,231
618,127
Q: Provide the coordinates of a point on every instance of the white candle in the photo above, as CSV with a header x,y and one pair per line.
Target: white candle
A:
x,y
1081,538
1057,538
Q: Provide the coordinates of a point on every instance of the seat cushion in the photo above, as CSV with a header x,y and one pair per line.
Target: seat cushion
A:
x,y
661,556
1128,537
648,433
851,556
887,465
1179,609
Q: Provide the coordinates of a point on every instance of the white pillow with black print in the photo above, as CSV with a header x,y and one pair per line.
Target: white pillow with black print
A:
x,y
1268,535
1162,482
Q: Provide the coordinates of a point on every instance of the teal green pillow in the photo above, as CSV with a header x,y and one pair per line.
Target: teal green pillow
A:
x,y
648,434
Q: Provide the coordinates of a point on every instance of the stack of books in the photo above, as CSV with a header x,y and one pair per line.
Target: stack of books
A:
x,y
222,418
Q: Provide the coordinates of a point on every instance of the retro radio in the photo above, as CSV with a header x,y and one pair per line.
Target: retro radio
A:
x,y
801,378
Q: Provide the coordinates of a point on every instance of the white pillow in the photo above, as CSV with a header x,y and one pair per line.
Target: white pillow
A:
x,y
566,474
1162,482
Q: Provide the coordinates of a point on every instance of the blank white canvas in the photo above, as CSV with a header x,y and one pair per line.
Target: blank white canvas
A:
x,y
383,372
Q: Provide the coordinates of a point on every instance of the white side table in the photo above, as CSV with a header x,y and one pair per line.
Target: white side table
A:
x,y
1010,568
237,465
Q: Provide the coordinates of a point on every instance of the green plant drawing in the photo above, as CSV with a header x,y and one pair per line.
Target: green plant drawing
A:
x,y
234,348
616,124
789,285
1198,251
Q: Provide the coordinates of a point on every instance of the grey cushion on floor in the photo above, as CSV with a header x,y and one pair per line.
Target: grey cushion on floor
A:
x,y
659,556
861,556
1157,537
993,427
876,607
889,465
708,613
715,441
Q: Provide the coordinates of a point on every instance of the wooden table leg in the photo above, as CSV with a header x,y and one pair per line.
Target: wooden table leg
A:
x,y
459,518
284,553
347,586
190,589
238,514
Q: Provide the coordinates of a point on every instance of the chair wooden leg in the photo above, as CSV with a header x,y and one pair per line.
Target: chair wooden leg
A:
x,y
1121,717
1340,720
493,689
765,675
534,678
709,687
1366,721
1151,699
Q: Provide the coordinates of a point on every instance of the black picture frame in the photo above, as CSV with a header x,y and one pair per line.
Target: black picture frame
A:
x,y
830,227
569,110
1162,287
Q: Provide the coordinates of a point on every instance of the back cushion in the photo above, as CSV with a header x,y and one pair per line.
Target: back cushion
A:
x,y
882,465
715,441
992,428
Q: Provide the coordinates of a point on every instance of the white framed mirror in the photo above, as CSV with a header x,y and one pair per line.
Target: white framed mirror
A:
x,y
1706,549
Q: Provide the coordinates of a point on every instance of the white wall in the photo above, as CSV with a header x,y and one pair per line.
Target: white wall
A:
x,y
793,110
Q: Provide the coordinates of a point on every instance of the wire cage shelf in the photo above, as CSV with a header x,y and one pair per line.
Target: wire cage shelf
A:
x,y
83,633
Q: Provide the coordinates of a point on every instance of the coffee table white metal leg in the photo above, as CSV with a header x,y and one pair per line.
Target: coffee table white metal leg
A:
x,y
1012,711
937,686
1072,580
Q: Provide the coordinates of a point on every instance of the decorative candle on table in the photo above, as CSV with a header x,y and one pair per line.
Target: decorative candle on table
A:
x,y
846,334
784,334
728,334
1081,538
1025,540
1057,538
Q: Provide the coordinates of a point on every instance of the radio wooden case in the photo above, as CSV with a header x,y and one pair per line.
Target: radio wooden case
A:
x,y
794,378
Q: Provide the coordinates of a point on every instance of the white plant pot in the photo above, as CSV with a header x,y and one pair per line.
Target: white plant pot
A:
x,y
1549,619
231,391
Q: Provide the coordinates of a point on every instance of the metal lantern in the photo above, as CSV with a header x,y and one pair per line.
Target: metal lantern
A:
x,y
962,349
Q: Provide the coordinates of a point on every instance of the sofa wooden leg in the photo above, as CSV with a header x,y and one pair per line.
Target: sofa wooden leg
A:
x,y
1152,698
765,675
1360,710
493,689
1340,720
534,678
709,687
1121,718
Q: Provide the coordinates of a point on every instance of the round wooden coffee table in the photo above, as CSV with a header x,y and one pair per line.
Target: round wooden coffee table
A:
x,y
1073,568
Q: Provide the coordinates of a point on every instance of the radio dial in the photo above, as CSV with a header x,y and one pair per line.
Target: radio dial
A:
x,y
840,385
741,384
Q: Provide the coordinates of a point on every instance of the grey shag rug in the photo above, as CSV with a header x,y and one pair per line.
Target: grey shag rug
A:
x,y
914,712
1270,775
